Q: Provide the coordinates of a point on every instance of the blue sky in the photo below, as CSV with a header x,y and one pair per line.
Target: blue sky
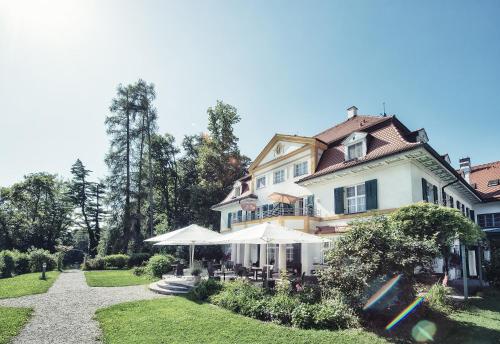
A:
x,y
289,67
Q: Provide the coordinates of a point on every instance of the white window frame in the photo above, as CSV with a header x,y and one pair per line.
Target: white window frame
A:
x,y
297,172
275,180
237,191
257,186
356,152
289,252
359,207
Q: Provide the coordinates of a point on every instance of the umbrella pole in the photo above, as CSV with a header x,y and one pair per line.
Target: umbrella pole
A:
x,y
191,258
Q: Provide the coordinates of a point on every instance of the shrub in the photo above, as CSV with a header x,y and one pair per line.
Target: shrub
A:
x,y
309,294
96,263
116,261
139,270
303,315
196,272
281,307
21,263
436,297
159,264
6,264
237,295
138,259
38,257
334,314
73,256
205,289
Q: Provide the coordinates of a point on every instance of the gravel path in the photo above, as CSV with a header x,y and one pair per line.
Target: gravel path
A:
x,y
64,314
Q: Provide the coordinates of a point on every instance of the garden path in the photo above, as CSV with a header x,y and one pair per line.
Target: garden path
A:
x,y
65,313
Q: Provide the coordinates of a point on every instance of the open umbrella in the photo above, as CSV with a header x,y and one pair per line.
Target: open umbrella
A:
x,y
191,235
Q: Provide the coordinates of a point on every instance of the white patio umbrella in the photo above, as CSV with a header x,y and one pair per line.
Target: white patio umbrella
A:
x,y
191,235
268,233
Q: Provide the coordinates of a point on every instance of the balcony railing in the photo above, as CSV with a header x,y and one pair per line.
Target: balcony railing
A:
x,y
276,211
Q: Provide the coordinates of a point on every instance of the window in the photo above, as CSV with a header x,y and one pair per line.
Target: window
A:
x,y
271,253
237,191
491,220
279,176
355,151
324,249
289,253
356,198
261,182
300,169
494,182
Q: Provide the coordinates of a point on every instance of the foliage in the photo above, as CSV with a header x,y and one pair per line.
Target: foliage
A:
x,y
281,307
115,261
87,197
196,272
425,221
436,297
334,314
159,264
26,284
309,294
137,259
13,320
205,289
237,295
190,322
38,257
116,278
7,265
493,268
139,270
372,250
21,262
96,263
73,256
35,212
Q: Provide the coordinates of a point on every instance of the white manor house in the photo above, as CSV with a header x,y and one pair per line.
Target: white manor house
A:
x,y
364,166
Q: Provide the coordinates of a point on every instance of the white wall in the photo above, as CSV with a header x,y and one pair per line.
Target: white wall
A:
x,y
487,208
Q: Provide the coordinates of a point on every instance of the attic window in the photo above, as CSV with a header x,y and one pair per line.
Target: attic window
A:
x,y
355,151
237,191
355,146
494,182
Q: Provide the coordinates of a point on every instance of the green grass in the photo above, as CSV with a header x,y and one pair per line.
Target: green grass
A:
x,y
178,320
478,323
115,278
13,320
26,284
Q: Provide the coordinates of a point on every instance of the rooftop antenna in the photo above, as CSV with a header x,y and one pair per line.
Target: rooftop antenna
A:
x,y
383,104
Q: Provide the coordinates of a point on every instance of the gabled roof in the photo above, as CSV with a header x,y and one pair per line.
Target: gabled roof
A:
x,y
480,176
282,137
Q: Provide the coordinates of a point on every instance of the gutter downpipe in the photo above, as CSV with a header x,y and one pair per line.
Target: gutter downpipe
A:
x,y
463,250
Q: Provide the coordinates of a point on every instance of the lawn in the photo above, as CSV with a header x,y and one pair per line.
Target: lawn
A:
x,y
26,284
115,278
178,320
13,320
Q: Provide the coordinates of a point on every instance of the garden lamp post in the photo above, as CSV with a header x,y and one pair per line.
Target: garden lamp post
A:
x,y
44,267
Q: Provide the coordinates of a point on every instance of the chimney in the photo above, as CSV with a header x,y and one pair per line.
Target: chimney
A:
x,y
465,168
352,111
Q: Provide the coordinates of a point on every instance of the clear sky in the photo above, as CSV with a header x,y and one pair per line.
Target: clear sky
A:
x,y
289,67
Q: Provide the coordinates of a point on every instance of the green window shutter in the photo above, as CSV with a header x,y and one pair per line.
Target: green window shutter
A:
x,y
472,215
338,196
229,220
371,194
425,195
435,192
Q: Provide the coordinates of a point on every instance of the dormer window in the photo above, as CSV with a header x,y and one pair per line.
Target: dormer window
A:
x,y
355,151
355,146
237,191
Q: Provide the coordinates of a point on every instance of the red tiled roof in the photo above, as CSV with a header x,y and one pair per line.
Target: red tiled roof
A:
x,y
384,139
356,123
481,175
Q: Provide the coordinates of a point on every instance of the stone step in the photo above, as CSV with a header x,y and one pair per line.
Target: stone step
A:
x,y
165,291
170,286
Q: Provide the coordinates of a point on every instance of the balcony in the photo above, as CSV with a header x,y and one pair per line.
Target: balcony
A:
x,y
278,210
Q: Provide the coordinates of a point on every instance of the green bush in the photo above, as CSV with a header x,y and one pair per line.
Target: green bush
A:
x,y
96,263
116,261
334,314
237,295
205,289
139,270
310,294
21,263
138,259
281,307
73,256
303,315
437,297
6,264
159,264
38,257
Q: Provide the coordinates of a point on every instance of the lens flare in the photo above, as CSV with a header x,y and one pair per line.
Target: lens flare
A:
x,y
405,313
424,331
382,292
